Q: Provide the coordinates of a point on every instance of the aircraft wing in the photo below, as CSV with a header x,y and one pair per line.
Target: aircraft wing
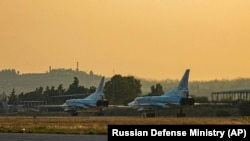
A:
x,y
136,104
118,106
64,105
50,106
173,104
80,106
154,105
90,105
70,95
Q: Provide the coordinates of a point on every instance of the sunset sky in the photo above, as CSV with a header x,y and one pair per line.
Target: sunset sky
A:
x,y
152,39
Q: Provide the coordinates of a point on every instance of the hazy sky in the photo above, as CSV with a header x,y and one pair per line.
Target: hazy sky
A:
x,y
154,39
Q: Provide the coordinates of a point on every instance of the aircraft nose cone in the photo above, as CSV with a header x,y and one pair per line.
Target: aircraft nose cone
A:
x,y
131,103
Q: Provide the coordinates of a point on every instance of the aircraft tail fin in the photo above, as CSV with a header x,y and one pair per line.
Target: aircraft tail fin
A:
x,y
98,94
101,84
182,88
184,81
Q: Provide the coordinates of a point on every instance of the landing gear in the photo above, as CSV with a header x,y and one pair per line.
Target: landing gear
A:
x,y
181,114
101,112
150,113
74,114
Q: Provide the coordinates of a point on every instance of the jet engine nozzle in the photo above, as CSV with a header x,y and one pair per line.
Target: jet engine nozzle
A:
x,y
103,102
187,101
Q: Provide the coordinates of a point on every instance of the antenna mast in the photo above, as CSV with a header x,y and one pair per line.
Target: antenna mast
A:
x,y
77,66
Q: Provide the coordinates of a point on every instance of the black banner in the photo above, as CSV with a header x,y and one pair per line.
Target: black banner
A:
x,y
163,132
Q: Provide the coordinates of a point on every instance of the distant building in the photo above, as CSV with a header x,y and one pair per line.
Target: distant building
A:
x,y
231,96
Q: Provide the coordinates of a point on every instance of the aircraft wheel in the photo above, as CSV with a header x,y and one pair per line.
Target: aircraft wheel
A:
x,y
74,114
180,114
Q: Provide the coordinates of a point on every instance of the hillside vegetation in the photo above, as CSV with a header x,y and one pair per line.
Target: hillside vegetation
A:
x,y
22,83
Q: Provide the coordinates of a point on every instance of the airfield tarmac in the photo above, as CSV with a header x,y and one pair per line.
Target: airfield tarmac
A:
x,y
68,123
50,137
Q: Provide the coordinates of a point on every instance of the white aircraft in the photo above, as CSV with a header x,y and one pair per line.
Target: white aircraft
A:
x,y
179,97
94,100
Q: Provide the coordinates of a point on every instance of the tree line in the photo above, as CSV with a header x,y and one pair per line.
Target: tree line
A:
x,y
11,78
118,90
47,94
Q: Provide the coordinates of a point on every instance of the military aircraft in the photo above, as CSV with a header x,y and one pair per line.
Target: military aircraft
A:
x,y
93,101
178,97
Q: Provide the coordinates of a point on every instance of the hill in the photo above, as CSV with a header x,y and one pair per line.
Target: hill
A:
x,y
11,79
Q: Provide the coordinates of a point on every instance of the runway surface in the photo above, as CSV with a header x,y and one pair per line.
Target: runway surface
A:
x,y
50,137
